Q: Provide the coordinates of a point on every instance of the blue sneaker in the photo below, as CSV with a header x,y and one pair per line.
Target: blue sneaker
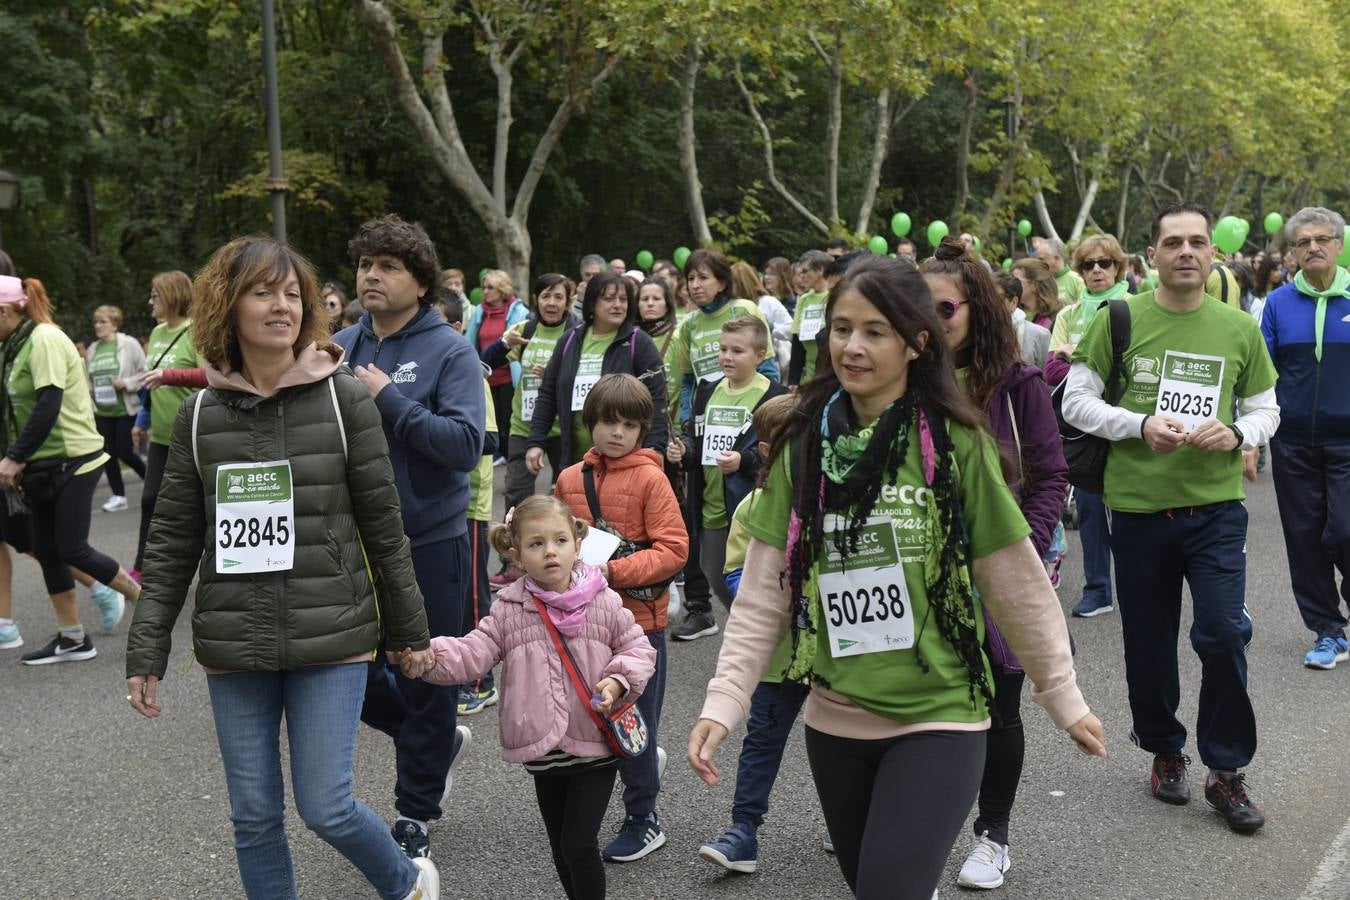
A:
x,y
472,702
1328,651
10,638
638,836
110,605
1092,606
735,851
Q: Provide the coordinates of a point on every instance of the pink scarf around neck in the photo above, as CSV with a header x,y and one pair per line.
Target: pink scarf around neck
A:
x,y
568,609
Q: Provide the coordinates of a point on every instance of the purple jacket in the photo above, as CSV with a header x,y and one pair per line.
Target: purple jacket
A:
x,y
1020,413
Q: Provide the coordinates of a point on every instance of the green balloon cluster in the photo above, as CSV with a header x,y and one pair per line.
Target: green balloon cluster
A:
x,y
681,256
936,232
1274,222
878,245
1024,227
645,260
900,224
1230,233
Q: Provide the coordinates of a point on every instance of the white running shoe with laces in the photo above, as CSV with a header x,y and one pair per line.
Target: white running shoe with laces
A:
x,y
986,864
114,503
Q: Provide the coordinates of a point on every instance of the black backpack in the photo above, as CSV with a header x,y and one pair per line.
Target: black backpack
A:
x,y
1086,453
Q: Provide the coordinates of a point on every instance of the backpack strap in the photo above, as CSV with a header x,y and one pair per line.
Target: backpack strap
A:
x,y
196,411
592,495
337,411
1119,311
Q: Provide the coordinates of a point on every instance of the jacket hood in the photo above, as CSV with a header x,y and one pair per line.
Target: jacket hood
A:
x,y
314,363
636,459
425,319
1018,373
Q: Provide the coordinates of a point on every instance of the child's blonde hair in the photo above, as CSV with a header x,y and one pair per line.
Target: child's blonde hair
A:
x,y
504,535
753,328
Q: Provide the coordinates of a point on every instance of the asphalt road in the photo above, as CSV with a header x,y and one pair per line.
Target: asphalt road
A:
x,y
97,802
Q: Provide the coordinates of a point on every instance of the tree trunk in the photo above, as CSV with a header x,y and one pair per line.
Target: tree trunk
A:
x,y
1084,208
963,149
1124,204
772,172
89,206
833,130
513,246
502,139
1043,215
879,147
687,143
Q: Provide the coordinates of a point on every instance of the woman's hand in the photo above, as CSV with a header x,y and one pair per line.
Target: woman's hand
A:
x,y
703,742
534,459
538,371
1088,734
414,663
11,470
610,690
513,339
675,451
141,695
152,379
729,462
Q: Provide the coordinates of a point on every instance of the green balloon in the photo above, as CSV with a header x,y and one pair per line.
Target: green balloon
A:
x,y
1344,258
1228,234
900,224
476,296
1274,222
878,245
1244,228
1024,227
482,273
645,260
1007,263
681,256
936,232
977,245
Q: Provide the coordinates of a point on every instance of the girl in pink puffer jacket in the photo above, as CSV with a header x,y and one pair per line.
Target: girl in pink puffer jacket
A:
x,y
543,721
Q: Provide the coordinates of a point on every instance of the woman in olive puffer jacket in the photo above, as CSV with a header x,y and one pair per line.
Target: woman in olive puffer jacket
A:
x,y
279,496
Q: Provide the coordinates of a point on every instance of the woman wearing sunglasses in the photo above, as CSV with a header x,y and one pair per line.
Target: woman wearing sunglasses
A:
x,y
976,329
1103,266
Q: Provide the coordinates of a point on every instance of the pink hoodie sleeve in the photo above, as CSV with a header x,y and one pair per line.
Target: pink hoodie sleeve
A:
x,y
759,619
465,659
634,660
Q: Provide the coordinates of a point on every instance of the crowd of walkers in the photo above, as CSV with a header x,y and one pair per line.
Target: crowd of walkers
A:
x,y
869,461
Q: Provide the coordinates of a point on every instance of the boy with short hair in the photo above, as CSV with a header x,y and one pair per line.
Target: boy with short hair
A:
x,y
632,498
808,320
720,451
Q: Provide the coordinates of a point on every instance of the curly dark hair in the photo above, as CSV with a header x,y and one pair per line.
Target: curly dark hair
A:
x,y
992,341
407,242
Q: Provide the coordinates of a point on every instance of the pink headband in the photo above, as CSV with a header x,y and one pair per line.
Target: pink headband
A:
x,y
11,291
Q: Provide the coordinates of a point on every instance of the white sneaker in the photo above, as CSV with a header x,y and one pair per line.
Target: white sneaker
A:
x,y
676,602
463,737
114,503
428,886
985,865
660,763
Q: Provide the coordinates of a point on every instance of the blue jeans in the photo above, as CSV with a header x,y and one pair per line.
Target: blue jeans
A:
x,y
641,783
322,705
1095,532
773,712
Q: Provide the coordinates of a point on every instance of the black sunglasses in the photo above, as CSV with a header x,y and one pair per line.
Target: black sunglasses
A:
x,y
1105,264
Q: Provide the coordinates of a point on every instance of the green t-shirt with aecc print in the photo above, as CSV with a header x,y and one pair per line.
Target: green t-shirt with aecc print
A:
x,y
1201,360
536,353
890,683
164,401
49,359
727,414
480,479
701,333
104,368
808,320
593,349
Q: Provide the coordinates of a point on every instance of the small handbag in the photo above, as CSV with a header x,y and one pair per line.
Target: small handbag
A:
x,y
646,593
624,729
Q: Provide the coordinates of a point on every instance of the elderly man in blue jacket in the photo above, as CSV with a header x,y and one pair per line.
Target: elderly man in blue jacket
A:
x,y
427,384
1306,325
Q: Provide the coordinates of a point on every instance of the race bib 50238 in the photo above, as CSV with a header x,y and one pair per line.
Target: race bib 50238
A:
x,y
863,594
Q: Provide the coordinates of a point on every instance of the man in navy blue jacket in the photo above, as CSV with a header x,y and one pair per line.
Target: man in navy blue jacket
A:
x,y
1307,328
427,384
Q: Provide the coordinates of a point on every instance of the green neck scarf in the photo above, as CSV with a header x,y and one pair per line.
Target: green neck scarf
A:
x,y
1340,287
1087,307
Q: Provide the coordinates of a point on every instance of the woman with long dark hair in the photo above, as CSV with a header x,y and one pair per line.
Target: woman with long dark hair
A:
x,y
1016,401
884,530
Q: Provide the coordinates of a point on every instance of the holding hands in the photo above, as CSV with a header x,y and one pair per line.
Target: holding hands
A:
x,y
413,663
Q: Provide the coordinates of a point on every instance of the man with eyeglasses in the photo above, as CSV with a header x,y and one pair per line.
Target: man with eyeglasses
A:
x,y
1306,325
1174,488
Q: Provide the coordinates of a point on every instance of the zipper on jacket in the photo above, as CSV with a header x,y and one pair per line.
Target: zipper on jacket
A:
x,y
281,576
1317,391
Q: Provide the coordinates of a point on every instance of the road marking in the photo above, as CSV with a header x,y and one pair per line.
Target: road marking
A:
x,y
1330,877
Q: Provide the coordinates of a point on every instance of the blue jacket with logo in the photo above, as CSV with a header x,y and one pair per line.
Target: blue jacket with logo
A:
x,y
434,417
1314,401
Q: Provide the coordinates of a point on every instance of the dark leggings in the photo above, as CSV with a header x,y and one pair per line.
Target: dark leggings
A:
x,y
894,807
154,474
1005,747
116,432
501,405
573,806
61,536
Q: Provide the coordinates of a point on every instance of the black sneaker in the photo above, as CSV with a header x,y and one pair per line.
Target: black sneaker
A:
x,y
412,840
1227,793
1169,778
695,626
60,649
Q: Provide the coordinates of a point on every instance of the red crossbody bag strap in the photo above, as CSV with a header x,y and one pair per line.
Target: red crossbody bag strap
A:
x,y
570,665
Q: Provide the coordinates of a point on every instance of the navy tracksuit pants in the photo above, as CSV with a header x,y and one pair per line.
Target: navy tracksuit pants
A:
x,y
1312,485
1154,552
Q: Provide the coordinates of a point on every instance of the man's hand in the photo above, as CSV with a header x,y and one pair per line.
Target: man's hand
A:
x,y
729,462
513,339
1213,435
1249,461
1163,434
371,376
10,472
675,451
534,459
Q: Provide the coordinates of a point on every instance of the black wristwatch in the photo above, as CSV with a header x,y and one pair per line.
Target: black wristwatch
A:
x,y
1237,434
